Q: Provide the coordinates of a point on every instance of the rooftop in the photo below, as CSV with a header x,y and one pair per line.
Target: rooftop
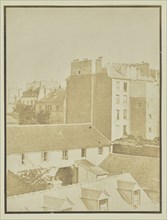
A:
x,y
94,169
144,169
106,186
57,95
33,138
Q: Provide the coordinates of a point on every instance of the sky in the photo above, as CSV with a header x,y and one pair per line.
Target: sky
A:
x,y
42,42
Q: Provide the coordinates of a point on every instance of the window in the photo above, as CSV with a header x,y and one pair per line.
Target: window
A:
x,y
103,205
124,100
150,116
117,85
83,152
125,86
48,108
65,155
117,99
125,114
139,104
150,129
100,150
117,114
57,108
44,156
124,130
23,158
79,72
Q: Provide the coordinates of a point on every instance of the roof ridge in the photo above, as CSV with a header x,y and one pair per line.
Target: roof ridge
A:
x,y
101,133
49,125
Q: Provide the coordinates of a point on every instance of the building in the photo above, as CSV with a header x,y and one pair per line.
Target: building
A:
x,y
105,97
112,194
54,103
13,95
144,169
54,146
100,99
88,171
36,91
144,109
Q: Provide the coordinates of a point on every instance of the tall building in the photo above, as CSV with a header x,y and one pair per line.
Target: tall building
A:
x,y
107,97
144,108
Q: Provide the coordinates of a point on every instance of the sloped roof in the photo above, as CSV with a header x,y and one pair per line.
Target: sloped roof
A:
x,y
16,186
144,169
94,169
33,138
73,192
58,95
87,193
54,203
125,185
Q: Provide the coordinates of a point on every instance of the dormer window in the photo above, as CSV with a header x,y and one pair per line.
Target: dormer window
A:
x,y
103,204
130,192
136,198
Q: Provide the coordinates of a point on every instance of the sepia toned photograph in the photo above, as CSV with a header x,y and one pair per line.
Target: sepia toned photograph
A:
x,y
83,93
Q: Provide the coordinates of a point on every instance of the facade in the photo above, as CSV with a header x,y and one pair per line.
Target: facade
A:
x,y
145,108
54,103
107,98
54,146
114,193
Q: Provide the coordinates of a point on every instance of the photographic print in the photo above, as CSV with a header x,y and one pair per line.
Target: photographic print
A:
x,y
82,100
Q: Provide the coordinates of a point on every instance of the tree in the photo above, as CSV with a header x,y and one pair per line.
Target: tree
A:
x,y
28,115
43,117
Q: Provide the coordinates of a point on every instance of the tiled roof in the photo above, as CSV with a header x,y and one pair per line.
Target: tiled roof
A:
x,y
87,193
58,95
74,193
32,138
144,169
125,185
94,169
16,186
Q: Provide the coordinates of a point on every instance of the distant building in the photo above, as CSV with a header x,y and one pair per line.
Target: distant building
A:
x,y
13,95
54,103
36,91
54,146
113,194
105,98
